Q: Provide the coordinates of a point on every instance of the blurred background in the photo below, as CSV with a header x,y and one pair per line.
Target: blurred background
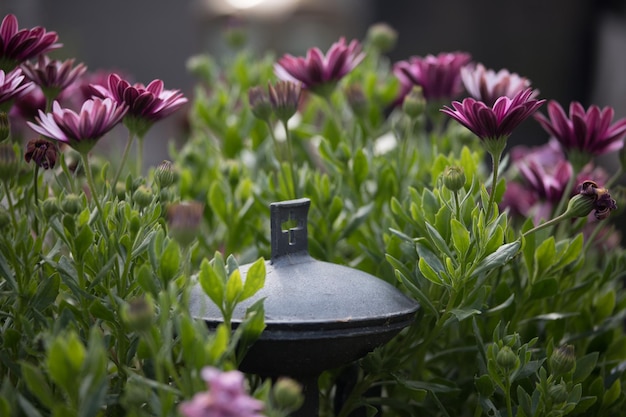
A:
x,y
569,49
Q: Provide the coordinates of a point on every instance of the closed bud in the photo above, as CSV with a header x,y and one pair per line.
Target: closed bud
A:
x,y
120,190
284,98
357,100
562,360
259,103
414,103
558,393
506,358
50,207
454,178
72,204
287,394
184,220
164,175
382,36
138,314
142,196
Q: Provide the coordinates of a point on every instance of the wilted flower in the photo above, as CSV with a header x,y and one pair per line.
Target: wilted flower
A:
x,y
17,46
318,72
591,197
587,133
42,152
12,84
491,123
284,98
226,397
487,85
146,105
439,76
51,75
80,130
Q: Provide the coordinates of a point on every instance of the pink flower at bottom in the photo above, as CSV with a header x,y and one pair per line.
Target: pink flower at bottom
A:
x,y
226,397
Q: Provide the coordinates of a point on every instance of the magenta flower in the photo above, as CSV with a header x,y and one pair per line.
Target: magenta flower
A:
x,y
51,75
226,397
146,105
499,121
80,130
487,85
12,85
439,76
17,46
586,133
318,72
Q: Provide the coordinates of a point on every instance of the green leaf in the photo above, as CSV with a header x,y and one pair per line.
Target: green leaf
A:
x,y
438,241
147,280
612,394
418,294
428,272
499,258
27,407
234,287
545,288
255,279
460,237
98,310
211,283
219,343
169,262
360,167
37,384
585,366
544,257
464,313
357,219
217,201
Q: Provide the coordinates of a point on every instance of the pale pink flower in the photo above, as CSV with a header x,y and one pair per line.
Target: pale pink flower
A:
x,y
487,85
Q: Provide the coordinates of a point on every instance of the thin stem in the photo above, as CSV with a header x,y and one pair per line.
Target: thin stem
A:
x,y
36,197
139,155
495,158
507,395
291,160
547,224
90,182
129,142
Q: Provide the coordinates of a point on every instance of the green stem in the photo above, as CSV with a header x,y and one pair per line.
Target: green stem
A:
x,y
129,142
495,158
291,160
36,197
139,155
549,223
507,395
90,182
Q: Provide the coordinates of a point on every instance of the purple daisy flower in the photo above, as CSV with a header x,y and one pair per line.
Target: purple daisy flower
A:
x,y
80,130
586,133
487,85
499,121
51,75
12,85
318,72
439,76
17,46
226,397
146,105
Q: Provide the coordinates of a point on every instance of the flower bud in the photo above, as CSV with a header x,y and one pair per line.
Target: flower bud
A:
x,y
506,358
138,314
287,394
558,393
142,196
120,190
259,103
5,126
184,220
164,175
382,36
414,103
284,98
50,207
562,360
454,178
72,204
357,100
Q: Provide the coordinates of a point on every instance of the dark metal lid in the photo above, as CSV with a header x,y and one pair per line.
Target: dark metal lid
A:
x,y
301,293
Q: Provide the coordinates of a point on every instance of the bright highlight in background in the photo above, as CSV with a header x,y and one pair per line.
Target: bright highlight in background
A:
x,y
245,4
